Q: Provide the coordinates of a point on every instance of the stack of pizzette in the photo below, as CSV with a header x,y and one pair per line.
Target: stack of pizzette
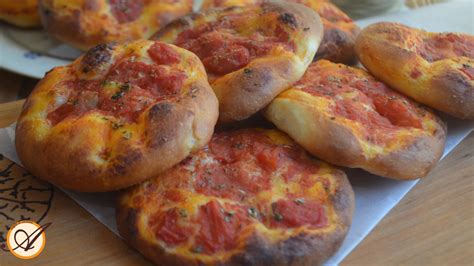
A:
x,y
141,115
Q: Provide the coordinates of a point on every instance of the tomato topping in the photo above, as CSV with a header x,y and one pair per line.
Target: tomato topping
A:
x,y
269,159
236,180
84,97
245,162
220,227
174,195
447,45
396,111
163,54
227,59
158,80
415,73
298,212
126,10
223,50
361,98
167,227
128,103
61,113
135,86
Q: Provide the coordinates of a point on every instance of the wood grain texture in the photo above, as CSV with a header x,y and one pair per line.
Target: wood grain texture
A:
x,y
433,224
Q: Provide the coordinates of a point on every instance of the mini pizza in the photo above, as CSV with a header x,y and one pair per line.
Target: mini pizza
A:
x,y
251,197
251,53
345,116
436,69
116,116
21,13
87,23
339,30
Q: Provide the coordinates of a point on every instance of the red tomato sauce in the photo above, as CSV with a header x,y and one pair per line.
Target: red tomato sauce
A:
x,y
447,45
166,227
388,108
223,50
244,164
137,86
220,227
126,11
296,213
163,54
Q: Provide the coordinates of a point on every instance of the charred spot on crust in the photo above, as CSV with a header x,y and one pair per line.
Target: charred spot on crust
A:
x,y
124,161
47,12
96,57
131,221
288,19
157,114
193,91
159,110
256,79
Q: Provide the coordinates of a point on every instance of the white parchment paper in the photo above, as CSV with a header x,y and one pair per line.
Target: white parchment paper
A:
x,y
375,196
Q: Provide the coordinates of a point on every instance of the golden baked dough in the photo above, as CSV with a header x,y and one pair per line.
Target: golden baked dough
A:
x,y
21,13
339,30
251,53
116,116
436,69
345,116
251,197
86,23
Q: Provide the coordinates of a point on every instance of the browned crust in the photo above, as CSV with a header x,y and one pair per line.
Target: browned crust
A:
x,y
20,13
69,26
68,29
252,88
337,46
337,143
244,92
441,85
302,249
171,130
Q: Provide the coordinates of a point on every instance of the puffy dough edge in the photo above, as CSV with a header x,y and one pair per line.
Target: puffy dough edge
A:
x,y
20,13
337,46
173,131
303,249
440,86
70,29
338,144
30,20
244,92
238,98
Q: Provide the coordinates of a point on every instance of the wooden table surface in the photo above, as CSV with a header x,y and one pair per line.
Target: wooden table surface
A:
x,y
433,224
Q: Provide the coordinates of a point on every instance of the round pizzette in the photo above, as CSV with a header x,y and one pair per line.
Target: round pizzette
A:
x,y
436,69
21,13
116,116
251,197
84,23
344,116
340,31
251,53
